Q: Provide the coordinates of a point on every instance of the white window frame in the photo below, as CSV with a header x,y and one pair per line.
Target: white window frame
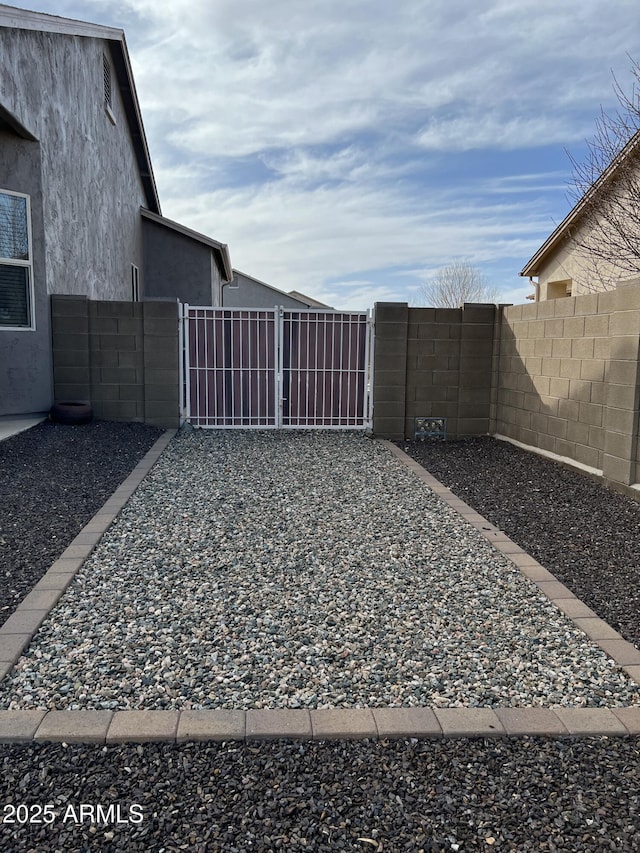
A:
x,y
28,265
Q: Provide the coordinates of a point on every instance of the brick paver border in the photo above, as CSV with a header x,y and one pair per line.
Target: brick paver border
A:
x,y
116,727
130,726
19,629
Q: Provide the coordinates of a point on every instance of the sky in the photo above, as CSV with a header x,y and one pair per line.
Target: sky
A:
x,y
349,149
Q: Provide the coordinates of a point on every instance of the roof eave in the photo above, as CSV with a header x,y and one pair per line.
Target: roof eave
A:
x,y
23,19
12,122
533,265
129,96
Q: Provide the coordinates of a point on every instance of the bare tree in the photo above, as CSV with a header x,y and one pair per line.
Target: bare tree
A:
x,y
456,284
606,189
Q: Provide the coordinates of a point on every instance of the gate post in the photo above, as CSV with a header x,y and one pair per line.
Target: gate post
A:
x,y
390,364
278,335
369,359
185,395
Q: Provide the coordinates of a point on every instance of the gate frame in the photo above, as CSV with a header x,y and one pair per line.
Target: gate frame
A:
x,y
278,316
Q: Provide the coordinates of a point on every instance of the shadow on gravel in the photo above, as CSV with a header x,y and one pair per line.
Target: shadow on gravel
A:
x,y
53,479
587,535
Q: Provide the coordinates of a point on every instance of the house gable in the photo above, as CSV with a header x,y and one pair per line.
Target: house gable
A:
x,y
182,264
245,291
12,18
561,266
92,180
74,156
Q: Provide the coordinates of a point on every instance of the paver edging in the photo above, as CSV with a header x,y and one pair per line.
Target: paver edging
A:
x,y
625,654
99,727
19,629
327,724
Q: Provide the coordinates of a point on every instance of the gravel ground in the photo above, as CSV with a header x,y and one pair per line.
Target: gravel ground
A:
x,y
588,536
459,795
265,570
467,795
53,479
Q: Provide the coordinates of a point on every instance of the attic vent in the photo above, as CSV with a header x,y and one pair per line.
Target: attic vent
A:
x,y
107,82
108,91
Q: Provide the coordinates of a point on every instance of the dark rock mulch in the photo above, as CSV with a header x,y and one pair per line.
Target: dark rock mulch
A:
x,y
467,795
53,479
448,795
585,534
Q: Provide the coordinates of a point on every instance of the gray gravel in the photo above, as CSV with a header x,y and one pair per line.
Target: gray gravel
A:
x,y
570,796
264,570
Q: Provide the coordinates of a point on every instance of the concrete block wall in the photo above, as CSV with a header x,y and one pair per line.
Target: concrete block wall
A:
x,y
122,356
561,376
390,369
621,458
551,391
566,379
432,362
116,351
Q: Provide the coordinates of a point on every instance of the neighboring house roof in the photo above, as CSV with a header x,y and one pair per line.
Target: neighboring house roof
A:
x,y
223,256
300,297
311,302
563,230
21,19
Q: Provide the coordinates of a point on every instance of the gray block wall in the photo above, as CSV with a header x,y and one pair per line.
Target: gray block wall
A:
x,y
567,379
561,376
433,362
121,356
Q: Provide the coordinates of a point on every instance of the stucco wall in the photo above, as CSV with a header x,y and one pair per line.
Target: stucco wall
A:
x,y
177,267
568,263
53,85
25,355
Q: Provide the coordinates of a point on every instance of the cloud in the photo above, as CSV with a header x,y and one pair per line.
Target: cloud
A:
x,y
235,79
344,147
318,240
534,183
469,131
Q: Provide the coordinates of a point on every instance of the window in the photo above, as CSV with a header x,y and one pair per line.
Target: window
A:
x,y
108,95
135,283
16,284
559,289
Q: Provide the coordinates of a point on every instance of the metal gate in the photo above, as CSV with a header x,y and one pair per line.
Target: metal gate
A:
x,y
249,368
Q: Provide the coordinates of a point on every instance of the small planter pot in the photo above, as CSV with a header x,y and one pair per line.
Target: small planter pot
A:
x,y
71,412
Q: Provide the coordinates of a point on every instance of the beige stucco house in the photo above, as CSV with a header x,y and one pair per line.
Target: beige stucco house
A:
x,y
570,262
